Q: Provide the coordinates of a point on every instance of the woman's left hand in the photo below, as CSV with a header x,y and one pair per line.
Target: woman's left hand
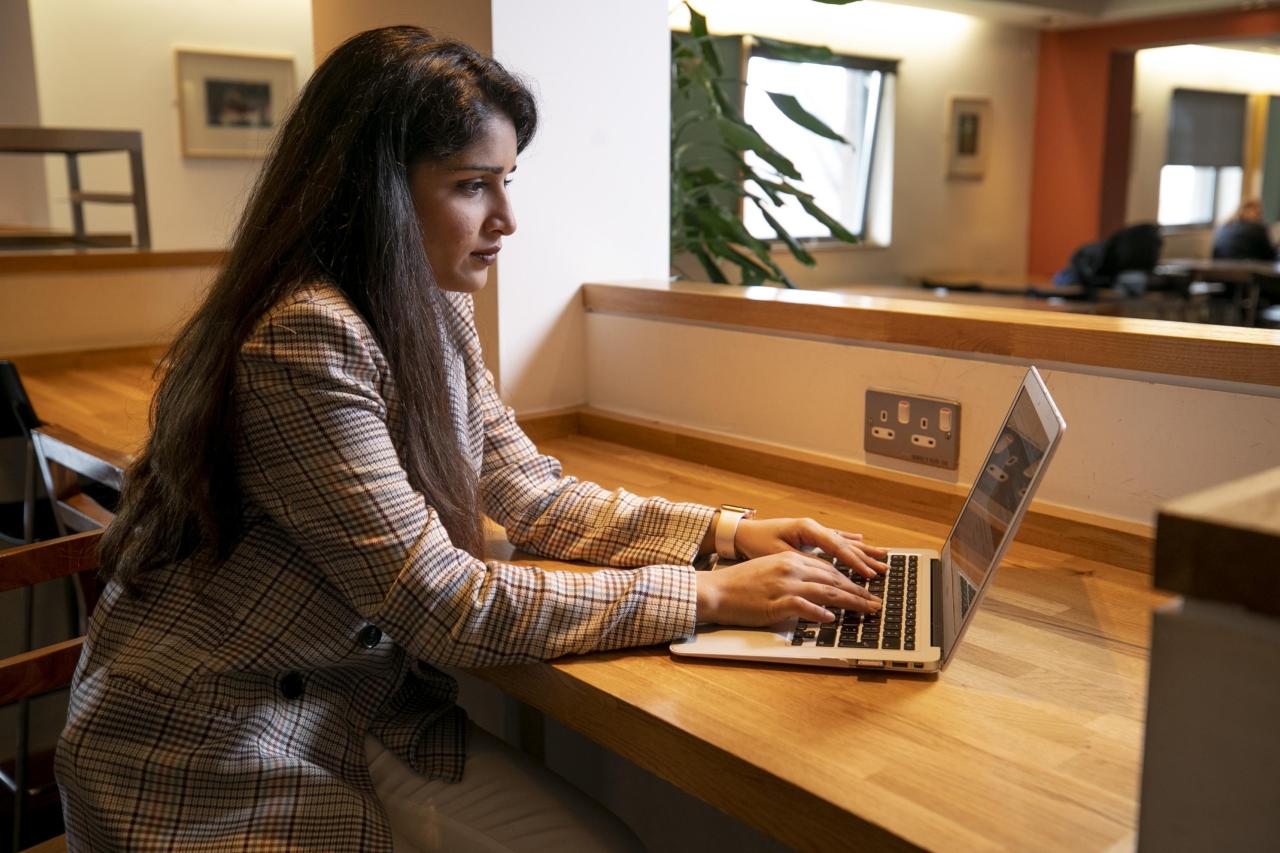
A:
x,y
758,537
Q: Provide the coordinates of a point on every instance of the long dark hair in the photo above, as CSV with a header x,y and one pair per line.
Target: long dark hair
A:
x,y
332,204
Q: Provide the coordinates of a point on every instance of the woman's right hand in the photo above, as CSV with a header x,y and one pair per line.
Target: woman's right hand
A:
x,y
775,587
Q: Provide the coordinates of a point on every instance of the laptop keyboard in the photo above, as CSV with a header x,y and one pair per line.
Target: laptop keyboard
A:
x,y
891,627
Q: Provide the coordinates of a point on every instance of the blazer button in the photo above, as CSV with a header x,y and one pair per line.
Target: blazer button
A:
x,y
370,636
292,686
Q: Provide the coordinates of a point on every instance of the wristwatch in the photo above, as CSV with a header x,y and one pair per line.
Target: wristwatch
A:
x,y
727,528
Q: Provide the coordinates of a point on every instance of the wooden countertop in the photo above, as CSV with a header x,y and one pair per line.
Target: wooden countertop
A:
x,y
101,396
85,260
1219,353
1032,739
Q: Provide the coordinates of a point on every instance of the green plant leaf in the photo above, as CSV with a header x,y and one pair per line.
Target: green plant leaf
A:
x,y
752,276
791,108
795,52
801,254
713,272
766,185
730,228
726,107
769,270
743,137
837,230
698,29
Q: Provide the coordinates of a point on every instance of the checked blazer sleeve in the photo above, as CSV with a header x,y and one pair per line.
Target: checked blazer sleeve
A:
x,y
547,513
318,458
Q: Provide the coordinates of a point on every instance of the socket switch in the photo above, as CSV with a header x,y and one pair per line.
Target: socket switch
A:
x,y
918,429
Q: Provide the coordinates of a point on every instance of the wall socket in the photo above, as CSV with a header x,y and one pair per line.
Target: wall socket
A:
x,y
918,429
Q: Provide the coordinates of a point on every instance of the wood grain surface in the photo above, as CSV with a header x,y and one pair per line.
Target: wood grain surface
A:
x,y
91,260
1127,343
1031,739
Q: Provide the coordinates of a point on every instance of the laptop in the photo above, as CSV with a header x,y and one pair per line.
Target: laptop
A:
x,y
929,596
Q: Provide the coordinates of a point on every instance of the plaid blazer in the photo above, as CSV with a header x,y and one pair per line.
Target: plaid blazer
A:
x,y
226,709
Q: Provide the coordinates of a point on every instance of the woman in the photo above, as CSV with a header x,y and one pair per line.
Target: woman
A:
x,y
1244,236
299,544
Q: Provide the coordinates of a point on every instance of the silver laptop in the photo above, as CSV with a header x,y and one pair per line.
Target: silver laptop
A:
x,y
929,597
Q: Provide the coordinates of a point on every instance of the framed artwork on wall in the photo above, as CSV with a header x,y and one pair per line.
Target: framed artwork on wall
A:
x,y
969,137
229,104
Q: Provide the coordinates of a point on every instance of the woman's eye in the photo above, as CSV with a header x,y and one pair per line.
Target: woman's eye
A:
x,y
471,187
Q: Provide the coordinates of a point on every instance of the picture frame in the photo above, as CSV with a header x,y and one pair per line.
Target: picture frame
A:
x,y
229,104
969,137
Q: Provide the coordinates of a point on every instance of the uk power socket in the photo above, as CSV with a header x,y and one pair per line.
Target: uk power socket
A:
x,y
918,429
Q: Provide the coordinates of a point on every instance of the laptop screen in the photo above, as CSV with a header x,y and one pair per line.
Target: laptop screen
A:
x,y
1004,484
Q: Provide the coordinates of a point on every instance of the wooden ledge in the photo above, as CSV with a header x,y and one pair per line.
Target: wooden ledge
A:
x,y
1219,353
87,260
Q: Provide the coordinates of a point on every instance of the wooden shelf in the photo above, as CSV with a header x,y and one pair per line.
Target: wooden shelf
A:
x,y
1220,353
94,260
18,240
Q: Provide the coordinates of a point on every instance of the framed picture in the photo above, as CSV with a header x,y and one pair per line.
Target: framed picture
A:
x,y
969,138
230,103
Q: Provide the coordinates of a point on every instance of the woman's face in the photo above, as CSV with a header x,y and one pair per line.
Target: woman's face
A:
x,y
463,207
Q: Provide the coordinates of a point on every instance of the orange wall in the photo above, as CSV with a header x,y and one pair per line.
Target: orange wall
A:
x,y
1084,100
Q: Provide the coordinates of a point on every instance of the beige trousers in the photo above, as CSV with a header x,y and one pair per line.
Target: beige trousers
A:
x,y
505,802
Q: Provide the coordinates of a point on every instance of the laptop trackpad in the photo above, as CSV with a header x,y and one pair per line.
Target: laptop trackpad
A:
x,y
740,639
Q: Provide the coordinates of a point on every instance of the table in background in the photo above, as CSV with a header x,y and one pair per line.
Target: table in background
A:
x,y
1247,279
1031,739
1003,298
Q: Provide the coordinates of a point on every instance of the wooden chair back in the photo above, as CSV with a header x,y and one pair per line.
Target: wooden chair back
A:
x,y
43,670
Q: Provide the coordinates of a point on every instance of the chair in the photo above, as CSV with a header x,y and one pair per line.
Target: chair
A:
x,y
39,671
17,420
76,501
68,475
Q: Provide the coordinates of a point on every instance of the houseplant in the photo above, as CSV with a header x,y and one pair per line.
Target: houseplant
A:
x,y
710,175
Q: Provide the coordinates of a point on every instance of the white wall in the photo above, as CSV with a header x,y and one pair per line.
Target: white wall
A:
x,y
22,201
110,64
1131,442
591,193
938,224
1157,72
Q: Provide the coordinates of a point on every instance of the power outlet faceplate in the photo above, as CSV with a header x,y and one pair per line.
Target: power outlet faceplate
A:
x,y
918,429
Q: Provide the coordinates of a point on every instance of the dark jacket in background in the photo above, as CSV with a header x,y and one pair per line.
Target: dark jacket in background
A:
x,y
1243,240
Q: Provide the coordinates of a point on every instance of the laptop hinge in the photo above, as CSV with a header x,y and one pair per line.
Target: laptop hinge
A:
x,y
935,593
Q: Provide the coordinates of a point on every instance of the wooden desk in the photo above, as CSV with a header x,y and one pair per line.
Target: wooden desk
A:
x,y
1032,738
1245,278
97,400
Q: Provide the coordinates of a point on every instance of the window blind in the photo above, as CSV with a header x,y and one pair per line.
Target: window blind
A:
x,y
1206,128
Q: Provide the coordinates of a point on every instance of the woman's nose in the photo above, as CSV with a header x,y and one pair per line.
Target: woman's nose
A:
x,y
503,217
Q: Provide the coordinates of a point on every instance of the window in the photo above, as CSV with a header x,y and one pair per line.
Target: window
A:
x,y
1203,175
853,98
1198,195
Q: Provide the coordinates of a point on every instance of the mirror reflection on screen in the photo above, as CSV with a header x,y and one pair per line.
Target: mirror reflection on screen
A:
x,y
1001,486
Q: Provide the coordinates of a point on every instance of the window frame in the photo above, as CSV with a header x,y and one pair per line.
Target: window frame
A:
x,y
751,48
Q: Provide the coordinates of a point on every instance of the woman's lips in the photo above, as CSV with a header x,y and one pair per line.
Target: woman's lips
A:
x,y
487,256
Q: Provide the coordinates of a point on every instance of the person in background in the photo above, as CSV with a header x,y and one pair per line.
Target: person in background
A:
x,y
1244,236
299,549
